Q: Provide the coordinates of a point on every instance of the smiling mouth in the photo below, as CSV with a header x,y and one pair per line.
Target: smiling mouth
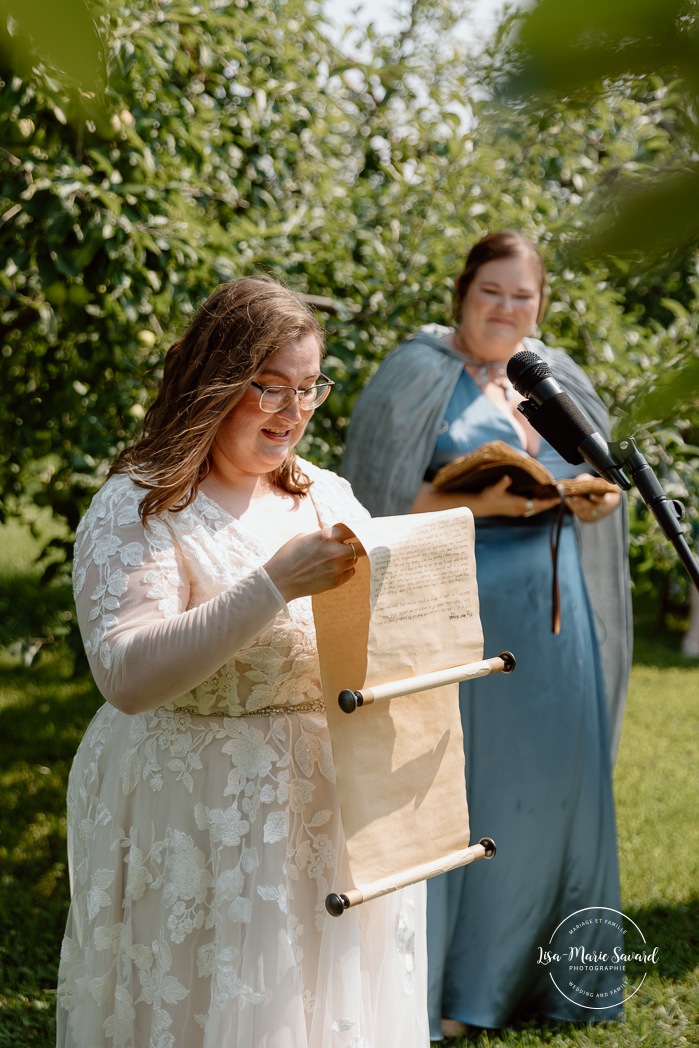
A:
x,y
277,434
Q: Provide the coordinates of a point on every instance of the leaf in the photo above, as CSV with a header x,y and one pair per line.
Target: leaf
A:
x,y
62,33
320,818
276,827
130,771
651,218
674,390
172,989
567,46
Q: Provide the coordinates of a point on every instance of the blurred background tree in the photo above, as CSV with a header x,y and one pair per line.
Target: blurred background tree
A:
x,y
642,225
190,145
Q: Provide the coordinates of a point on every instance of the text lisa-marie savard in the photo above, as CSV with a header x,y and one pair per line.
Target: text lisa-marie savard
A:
x,y
583,956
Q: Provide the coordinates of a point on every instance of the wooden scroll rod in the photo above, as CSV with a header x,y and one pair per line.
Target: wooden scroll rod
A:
x,y
337,903
349,701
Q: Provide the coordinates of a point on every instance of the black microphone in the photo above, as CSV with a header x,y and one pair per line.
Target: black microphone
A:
x,y
554,414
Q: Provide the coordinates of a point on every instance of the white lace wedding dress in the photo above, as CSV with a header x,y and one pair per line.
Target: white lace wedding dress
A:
x,y
203,835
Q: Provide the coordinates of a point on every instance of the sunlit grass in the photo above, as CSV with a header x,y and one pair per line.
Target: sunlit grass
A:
x,y
43,713
35,605
656,792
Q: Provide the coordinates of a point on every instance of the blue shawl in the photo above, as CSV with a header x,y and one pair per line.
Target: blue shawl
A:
x,y
390,443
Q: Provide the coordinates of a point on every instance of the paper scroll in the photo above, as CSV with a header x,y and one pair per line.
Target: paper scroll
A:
x,y
411,609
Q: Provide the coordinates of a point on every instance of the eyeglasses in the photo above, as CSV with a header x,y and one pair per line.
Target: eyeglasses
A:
x,y
276,398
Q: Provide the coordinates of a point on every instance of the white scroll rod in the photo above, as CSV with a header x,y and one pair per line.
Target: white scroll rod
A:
x,y
349,701
337,902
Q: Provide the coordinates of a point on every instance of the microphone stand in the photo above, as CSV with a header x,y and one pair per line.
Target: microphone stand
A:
x,y
667,512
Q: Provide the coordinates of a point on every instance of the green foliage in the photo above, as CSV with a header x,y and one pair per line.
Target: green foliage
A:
x,y
629,72
646,218
229,139
115,230
63,34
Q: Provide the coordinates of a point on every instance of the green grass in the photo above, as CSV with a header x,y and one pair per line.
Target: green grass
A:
x,y
45,707
43,713
655,788
35,598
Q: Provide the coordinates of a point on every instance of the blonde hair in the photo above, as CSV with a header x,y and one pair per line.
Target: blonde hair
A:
x,y
205,374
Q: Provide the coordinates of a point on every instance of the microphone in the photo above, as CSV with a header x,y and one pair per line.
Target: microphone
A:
x,y
554,414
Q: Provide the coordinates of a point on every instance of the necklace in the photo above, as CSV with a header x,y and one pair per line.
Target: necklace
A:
x,y
486,370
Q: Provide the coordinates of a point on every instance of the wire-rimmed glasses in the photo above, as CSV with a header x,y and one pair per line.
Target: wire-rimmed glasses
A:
x,y
276,398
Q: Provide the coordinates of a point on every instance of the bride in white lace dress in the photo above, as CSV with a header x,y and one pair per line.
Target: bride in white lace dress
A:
x,y
204,829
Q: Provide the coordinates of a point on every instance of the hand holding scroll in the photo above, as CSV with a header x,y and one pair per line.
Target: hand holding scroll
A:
x,y
309,564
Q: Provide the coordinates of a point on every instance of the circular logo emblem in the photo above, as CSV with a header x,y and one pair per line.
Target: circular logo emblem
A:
x,y
597,958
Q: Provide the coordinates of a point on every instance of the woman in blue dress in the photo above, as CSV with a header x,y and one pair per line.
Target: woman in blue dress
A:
x,y
537,745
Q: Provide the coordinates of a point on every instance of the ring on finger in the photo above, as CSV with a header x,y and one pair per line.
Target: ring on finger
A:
x,y
528,508
354,551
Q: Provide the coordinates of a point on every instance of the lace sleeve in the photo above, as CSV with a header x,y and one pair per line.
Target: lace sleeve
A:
x,y
144,645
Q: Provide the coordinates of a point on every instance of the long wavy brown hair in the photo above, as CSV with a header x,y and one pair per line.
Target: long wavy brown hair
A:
x,y
205,374
505,243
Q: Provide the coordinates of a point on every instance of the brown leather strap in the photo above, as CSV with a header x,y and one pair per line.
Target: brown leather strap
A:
x,y
555,539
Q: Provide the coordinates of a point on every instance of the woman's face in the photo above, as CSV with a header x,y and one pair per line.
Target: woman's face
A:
x,y
251,442
500,307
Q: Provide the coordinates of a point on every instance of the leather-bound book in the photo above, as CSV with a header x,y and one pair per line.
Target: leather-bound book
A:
x,y
529,478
